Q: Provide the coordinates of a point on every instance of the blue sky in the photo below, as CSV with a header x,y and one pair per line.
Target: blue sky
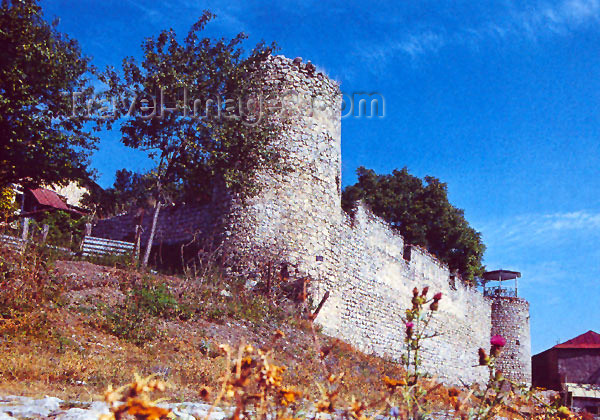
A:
x,y
498,98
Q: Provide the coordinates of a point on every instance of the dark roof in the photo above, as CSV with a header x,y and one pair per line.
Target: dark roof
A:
x,y
49,198
589,340
500,275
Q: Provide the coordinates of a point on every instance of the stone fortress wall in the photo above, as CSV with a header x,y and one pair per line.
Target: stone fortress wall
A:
x,y
365,266
176,224
374,287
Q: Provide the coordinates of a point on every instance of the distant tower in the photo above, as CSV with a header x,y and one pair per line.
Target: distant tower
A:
x,y
510,319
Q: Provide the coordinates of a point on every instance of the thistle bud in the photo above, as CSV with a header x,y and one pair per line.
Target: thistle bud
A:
x,y
484,359
409,328
564,413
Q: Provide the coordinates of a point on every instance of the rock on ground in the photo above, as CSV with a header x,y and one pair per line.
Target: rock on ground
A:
x,y
15,407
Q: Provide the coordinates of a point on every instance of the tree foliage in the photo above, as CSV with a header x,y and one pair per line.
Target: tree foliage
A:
x,y
186,98
8,205
421,212
195,145
130,190
40,68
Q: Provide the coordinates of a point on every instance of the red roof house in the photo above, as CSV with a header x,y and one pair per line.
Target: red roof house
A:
x,y
41,200
589,340
49,198
573,368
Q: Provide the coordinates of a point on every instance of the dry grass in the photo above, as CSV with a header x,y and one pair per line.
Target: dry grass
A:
x,y
58,343
69,328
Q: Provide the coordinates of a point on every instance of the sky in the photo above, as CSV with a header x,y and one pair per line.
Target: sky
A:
x,y
499,99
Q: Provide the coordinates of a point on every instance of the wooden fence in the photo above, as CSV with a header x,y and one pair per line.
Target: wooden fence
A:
x,y
20,244
12,241
93,246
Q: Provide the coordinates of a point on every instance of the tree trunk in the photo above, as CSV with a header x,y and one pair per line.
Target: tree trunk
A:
x,y
152,231
25,234
138,240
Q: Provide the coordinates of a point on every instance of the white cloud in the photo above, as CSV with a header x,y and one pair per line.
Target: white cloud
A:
x,y
541,228
544,247
579,11
525,20
422,43
560,18
153,14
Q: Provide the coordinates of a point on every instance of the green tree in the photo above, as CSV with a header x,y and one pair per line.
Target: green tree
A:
x,y
421,212
40,68
8,206
65,229
177,111
130,190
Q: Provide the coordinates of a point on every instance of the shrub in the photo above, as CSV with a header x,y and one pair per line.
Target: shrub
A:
x,y
27,284
122,261
126,321
64,229
26,280
8,205
156,300
135,318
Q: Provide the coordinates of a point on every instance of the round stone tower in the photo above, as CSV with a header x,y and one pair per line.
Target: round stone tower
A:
x,y
510,319
292,217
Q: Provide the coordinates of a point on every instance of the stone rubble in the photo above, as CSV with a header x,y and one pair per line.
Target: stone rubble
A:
x,y
15,407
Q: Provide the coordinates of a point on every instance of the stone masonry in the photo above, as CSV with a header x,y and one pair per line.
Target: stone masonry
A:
x,y
365,266
510,319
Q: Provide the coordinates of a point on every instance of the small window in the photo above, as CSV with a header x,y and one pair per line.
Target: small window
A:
x,y
406,253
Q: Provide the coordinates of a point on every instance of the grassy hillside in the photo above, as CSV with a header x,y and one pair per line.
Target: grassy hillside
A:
x,y
71,328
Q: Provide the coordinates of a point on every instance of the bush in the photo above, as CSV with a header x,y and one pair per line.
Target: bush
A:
x,y
8,205
126,321
135,318
26,284
64,230
156,300
122,261
26,280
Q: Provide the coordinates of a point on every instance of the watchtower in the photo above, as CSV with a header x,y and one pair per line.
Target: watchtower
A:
x,y
292,219
510,319
498,288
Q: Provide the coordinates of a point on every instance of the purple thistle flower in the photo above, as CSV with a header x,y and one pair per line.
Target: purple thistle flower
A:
x,y
498,341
